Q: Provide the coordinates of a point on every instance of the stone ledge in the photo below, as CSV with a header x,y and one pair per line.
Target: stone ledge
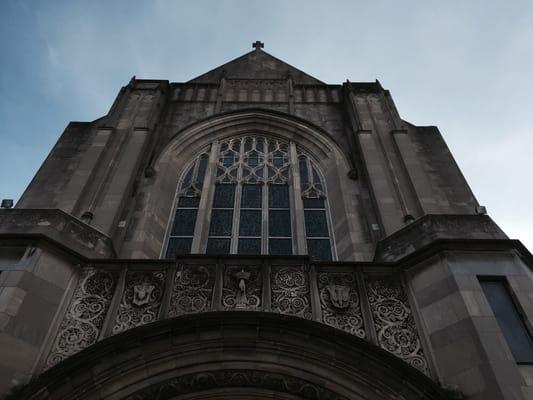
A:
x,y
431,228
59,227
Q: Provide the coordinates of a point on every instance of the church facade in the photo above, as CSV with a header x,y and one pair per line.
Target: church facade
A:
x,y
255,233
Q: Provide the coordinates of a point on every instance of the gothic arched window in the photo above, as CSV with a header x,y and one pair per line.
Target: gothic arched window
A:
x,y
251,195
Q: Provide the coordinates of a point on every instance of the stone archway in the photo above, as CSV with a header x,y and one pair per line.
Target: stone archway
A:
x,y
233,355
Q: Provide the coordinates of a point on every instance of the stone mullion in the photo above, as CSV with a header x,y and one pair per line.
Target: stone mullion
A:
x,y
315,295
266,270
216,301
109,321
202,221
366,311
165,301
298,206
237,201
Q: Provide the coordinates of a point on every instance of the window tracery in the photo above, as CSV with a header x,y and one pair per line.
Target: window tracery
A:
x,y
252,201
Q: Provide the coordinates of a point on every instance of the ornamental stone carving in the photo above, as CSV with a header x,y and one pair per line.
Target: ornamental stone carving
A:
x,y
233,382
395,326
340,304
290,291
141,299
85,315
242,288
192,291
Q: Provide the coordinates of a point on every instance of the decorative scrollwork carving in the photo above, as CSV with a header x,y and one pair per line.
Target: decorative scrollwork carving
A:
x,y
340,303
394,322
193,289
141,299
290,291
85,316
230,380
242,288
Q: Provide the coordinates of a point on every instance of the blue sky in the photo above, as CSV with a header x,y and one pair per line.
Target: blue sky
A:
x,y
465,66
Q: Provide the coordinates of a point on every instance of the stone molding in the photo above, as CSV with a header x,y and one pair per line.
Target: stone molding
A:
x,y
58,226
286,355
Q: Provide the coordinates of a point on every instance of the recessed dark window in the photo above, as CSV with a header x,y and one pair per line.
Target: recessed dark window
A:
x,y
279,223
250,223
224,196
278,196
221,223
218,246
280,247
249,246
251,196
316,224
511,323
177,246
319,248
184,222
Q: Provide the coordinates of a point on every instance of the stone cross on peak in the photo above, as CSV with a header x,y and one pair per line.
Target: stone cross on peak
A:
x,y
258,45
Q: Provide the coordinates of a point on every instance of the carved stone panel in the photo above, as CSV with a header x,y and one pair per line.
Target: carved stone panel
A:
x,y
192,291
290,291
141,299
395,326
85,315
242,288
234,383
340,302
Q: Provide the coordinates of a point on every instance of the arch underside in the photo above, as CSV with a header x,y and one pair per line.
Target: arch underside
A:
x,y
233,355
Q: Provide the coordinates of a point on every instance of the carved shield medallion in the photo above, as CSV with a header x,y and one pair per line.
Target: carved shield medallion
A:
x,y
142,293
339,296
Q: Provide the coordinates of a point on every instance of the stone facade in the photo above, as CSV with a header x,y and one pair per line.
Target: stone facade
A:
x,y
395,309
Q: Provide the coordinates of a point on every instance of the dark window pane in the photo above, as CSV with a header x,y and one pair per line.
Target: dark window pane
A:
x,y
314,203
201,171
249,246
280,247
184,222
221,223
178,246
509,320
279,223
278,196
189,202
303,171
218,246
187,179
224,196
319,248
251,196
316,224
250,223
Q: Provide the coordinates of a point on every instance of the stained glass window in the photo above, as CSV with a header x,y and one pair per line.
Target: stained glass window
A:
x,y
251,194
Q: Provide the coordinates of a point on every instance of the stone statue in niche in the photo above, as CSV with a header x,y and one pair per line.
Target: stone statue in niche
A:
x,y
339,296
241,301
142,294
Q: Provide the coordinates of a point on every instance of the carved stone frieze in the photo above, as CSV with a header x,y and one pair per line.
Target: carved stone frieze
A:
x,y
141,299
282,386
290,291
85,315
192,290
395,326
242,288
340,303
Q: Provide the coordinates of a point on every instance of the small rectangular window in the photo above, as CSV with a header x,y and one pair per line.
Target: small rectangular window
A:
x,y
509,319
221,223
278,196
316,224
184,222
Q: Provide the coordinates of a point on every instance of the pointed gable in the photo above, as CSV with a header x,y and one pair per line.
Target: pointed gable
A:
x,y
256,64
